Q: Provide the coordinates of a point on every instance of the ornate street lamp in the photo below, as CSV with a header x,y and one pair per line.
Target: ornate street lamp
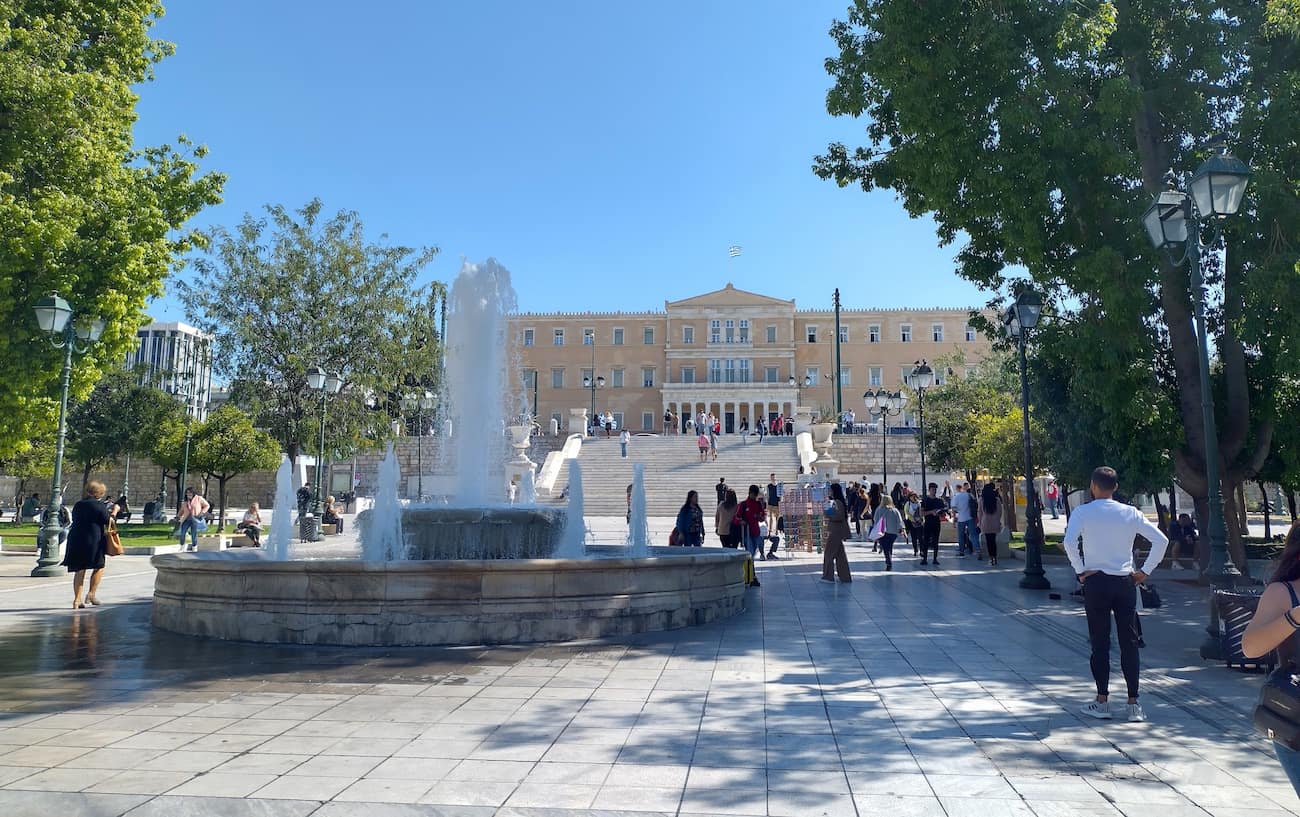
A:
x,y
53,316
1174,221
882,405
420,405
593,383
1019,318
922,379
326,383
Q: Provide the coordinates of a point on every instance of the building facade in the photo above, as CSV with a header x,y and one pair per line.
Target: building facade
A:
x,y
729,352
176,358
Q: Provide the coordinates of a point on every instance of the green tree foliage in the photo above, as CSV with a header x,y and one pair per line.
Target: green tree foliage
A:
x,y
1038,133
82,211
112,421
164,444
997,441
992,388
31,465
294,290
226,445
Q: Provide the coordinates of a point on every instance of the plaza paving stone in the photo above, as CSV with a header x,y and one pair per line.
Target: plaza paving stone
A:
x,y
945,692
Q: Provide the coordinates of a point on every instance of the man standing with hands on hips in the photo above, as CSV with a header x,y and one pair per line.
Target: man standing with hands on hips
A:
x,y
1099,543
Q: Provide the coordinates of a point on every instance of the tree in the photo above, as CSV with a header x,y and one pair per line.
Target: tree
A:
x,y
226,445
294,290
1038,132
164,444
32,462
997,444
110,423
950,409
82,212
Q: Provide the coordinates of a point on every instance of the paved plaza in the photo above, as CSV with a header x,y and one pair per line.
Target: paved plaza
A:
x,y
916,693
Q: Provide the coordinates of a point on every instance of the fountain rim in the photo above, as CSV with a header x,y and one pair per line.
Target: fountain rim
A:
x,y
218,562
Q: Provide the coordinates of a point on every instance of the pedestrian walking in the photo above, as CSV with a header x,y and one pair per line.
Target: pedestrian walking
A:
x,y
990,520
751,515
88,543
912,522
931,507
702,442
964,504
891,524
721,488
835,559
760,425
1053,494
690,521
713,443
724,520
1276,619
193,507
1099,543
624,437
669,422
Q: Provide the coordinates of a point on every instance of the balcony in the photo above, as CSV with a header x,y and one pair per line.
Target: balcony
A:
x,y
752,385
730,344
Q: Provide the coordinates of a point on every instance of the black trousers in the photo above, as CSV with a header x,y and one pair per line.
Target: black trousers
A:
x,y
886,542
991,545
930,538
1106,596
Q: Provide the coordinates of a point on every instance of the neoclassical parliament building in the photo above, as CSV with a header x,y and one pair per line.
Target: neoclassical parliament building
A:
x,y
729,352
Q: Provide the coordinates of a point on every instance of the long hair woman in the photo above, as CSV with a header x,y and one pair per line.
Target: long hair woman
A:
x,y
834,558
1275,621
88,543
893,525
724,520
690,521
990,520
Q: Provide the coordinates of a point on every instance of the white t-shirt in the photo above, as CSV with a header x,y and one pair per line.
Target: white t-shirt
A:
x,y
625,437
963,502
1107,528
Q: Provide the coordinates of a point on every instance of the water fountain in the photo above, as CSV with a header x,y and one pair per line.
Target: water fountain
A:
x,y
279,541
473,570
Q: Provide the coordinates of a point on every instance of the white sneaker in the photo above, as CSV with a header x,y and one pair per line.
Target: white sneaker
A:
x,y
1097,709
827,581
1135,713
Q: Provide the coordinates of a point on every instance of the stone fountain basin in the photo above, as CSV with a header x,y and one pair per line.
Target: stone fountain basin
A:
x,y
247,597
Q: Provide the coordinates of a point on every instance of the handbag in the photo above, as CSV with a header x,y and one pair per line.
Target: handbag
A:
x,y
1150,596
113,545
1277,715
877,531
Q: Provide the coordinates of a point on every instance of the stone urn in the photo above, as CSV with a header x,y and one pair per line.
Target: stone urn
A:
x,y
821,437
578,421
520,465
803,417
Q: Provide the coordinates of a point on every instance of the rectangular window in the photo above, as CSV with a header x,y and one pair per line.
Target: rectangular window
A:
x,y
875,376
936,332
559,337
905,375
814,375
529,337
905,333
588,337
618,336
715,331
873,333
729,371
688,374
557,378
812,333
730,331
587,375
715,371
844,334
772,374
649,336
688,334
618,419
970,333
648,377
744,331
845,378
647,421
745,376
616,379
940,376
771,334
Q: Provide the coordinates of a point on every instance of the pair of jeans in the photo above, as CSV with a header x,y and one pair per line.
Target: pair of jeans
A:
x,y
753,542
1290,760
623,446
191,524
1106,596
886,543
966,537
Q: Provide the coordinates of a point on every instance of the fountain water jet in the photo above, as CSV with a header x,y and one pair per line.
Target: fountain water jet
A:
x,y
381,540
279,541
638,531
573,543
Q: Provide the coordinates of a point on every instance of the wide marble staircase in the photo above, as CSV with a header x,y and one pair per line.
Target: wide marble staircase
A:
x,y
673,467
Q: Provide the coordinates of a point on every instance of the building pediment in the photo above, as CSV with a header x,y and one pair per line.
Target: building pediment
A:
x,y
729,296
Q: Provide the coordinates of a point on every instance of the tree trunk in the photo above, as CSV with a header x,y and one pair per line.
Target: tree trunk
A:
x,y
1241,509
1291,505
1173,501
1232,516
1065,500
1162,514
86,468
221,502
1268,513
1009,504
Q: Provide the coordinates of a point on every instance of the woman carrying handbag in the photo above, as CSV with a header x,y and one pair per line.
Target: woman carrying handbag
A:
x,y
88,543
1273,627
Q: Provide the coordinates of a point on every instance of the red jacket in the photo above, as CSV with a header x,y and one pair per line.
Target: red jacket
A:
x,y
751,513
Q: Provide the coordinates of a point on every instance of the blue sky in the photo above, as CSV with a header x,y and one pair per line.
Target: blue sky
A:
x,y
607,153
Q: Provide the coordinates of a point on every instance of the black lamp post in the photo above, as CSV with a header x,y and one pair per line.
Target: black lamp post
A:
x,y
1174,221
54,316
922,378
592,382
326,383
420,405
1019,318
883,405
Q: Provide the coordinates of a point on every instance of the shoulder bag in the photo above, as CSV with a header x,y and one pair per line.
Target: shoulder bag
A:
x,y
1277,715
113,546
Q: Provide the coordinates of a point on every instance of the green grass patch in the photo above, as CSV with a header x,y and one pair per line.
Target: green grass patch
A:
x,y
133,536
1051,542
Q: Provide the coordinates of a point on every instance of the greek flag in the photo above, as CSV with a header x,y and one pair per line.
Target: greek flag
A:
x,y
733,250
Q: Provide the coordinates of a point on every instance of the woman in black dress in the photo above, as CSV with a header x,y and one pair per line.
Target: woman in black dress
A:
x,y
88,542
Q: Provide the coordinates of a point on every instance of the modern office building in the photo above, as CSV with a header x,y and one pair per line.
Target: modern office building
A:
x,y
176,358
730,352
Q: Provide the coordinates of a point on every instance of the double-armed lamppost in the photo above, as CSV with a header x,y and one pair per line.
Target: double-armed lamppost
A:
x,y
419,404
326,383
882,405
922,378
189,390
798,392
592,382
1174,222
54,316
1019,318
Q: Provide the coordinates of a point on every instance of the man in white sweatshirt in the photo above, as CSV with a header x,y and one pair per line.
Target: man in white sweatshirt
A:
x,y
1099,543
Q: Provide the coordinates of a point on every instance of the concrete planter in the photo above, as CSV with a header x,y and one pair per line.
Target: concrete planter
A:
x,y
821,435
244,596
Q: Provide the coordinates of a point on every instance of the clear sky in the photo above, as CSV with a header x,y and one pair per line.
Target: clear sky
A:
x,y
608,153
